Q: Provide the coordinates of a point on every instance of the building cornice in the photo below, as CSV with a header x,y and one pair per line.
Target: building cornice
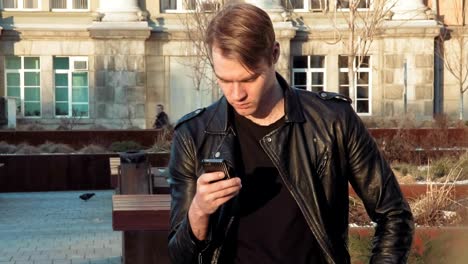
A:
x,y
120,30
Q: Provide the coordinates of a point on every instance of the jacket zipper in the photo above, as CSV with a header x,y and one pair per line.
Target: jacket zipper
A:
x,y
289,187
323,163
215,257
218,250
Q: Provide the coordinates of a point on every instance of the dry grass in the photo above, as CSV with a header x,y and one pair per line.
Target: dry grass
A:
x,y
163,141
438,206
437,171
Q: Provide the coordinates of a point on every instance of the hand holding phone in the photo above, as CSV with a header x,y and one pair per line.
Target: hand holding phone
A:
x,y
214,165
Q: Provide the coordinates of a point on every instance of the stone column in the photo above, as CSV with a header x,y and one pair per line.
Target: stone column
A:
x,y
284,32
409,10
119,10
119,39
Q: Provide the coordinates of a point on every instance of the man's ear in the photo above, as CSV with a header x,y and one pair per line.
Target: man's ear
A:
x,y
276,52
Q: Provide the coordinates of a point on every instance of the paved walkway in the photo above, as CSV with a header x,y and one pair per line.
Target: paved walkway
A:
x,y
56,228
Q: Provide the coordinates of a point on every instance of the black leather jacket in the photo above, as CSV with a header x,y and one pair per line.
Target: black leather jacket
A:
x,y
322,146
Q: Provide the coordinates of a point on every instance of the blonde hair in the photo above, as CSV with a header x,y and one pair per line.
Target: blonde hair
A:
x,y
244,32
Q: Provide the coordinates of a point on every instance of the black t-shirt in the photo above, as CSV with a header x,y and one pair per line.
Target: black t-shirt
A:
x,y
271,227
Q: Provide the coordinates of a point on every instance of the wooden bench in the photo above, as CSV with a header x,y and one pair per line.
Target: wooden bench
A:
x,y
144,220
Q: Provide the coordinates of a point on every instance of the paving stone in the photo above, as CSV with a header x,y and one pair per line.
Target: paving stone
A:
x,y
80,261
57,228
43,261
61,261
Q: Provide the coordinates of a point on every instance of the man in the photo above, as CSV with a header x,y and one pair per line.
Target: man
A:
x,y
293,153
162,120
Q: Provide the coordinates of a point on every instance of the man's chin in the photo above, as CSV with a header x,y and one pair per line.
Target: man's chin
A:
x,y
244,111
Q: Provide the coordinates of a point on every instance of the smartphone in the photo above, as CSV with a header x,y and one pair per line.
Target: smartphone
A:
x,y
212,165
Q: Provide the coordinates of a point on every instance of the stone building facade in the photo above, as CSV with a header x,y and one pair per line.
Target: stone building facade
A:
x,y
110,62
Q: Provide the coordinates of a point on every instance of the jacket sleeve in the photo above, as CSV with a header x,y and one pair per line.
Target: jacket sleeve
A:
x,y
375,183
183,246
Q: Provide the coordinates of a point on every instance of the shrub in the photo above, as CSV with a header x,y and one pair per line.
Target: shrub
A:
x,y
6,148
34,127
122,146
464,166
440,167
93,149
25,148
50,147
398,148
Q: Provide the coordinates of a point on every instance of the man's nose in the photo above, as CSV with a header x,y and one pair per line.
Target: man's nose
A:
x,y
238,91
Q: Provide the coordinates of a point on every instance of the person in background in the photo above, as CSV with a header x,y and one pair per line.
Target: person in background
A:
x,y
292,153
162,120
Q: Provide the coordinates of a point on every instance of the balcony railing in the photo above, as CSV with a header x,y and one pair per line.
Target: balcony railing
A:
x,y
21,4
69,5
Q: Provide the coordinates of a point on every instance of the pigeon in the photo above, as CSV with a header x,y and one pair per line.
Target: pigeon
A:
x,y
86,196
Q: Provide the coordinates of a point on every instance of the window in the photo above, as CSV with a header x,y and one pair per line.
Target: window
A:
x,y
362,83
69,5
306,5
179,6
71,86
21,4
309,72
344,4
23,82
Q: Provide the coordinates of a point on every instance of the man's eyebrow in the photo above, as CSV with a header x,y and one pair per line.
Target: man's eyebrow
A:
x,y
249,78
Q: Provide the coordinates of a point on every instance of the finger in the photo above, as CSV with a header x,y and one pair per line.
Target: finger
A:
x,y
209,177
223,200
219,185
224,193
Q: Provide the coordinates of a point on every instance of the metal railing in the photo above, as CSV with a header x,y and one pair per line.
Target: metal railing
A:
x,y
20,4
69,4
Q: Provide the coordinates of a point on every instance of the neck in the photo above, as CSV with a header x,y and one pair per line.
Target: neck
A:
x,y
273,108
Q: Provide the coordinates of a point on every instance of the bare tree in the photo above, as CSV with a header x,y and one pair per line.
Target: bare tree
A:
x,y
195,21
454,51
357,23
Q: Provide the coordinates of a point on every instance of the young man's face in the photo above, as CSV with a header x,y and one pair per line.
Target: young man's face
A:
x,y
246,91
159,109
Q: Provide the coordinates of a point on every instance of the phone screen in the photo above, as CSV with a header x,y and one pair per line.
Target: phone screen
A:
x,y
212,165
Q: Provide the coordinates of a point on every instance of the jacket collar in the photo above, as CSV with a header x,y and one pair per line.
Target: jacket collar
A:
x,y
221,119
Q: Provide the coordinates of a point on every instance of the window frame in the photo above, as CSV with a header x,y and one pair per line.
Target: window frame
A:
x,y
308,6
346,9
180,7
69,87
69,8
22,86
309,71
358,70
21,6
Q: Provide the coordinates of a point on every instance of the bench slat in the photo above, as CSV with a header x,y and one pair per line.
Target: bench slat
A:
x,y
141,212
